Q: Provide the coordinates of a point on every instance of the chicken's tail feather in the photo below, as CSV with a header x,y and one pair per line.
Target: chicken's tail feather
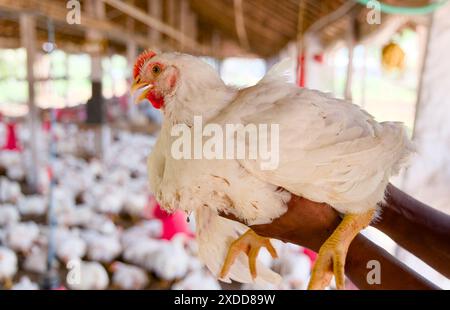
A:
x,y
400,144
214,236
279,72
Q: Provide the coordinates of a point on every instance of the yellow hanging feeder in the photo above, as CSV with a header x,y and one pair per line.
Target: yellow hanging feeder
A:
x,y
393,57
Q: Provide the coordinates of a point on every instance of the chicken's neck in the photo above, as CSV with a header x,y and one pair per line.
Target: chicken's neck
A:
x,y
197,100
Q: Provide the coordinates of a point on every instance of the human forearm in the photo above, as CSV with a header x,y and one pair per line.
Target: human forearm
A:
x,y
309,224
418,228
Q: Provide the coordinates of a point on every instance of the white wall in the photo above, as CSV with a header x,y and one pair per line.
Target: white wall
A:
x,y
428,179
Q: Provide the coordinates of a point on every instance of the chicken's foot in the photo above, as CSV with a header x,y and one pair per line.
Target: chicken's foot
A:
x,y
250,243
331,258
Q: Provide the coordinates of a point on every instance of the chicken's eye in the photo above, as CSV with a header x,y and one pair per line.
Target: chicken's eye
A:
x,y
156,69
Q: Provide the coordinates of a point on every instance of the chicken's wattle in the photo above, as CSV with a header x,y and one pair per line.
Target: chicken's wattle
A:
x,y
156,99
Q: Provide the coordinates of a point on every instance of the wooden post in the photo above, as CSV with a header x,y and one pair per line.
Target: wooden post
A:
x,y
95,112
364,78
239,21
184,20
192,30
28,38
301,49
131,58
216,42
131,45
172,21
154,9
351,47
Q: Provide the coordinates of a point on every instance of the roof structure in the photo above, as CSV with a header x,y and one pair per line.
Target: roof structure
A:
x,y
219,28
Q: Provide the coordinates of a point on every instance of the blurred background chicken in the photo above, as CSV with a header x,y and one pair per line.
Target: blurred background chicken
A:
x,y
92,276
8,266
128,277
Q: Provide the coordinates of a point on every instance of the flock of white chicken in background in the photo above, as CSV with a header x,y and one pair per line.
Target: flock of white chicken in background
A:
x,y
91,200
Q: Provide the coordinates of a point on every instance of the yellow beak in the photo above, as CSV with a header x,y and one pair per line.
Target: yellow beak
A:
x,y
137,84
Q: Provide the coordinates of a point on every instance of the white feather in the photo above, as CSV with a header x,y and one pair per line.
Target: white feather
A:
x,y
214,236
279,71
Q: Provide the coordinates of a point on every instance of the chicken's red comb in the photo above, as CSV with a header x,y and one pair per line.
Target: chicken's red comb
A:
x,y
142,58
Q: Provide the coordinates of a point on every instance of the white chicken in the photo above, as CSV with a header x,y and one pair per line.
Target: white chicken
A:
x,y
25,284
16,172
63,199
9,191
142,231
92,276
8,215
129,277
142,252
21,236
135,204
8,266
119,176
198,280
9,158
13,163
69,245
294,266
171,261
100,247
36,259
324,149
33,205
102,224
79,216
106,197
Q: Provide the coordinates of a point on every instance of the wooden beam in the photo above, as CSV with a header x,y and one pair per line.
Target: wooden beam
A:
x,y
209,9
332,17
9,43
272,17
28,40
155,23
58,14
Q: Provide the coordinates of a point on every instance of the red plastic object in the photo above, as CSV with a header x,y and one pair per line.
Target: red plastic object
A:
x,y
318,58
46,125
311,254
173,224
12,143
301,69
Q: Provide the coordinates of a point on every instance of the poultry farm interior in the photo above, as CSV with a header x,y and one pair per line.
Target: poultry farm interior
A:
x,y
76,208
107,224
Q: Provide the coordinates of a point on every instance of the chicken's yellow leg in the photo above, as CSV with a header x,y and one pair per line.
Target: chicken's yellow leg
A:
x,y
249,243
332,254
8,283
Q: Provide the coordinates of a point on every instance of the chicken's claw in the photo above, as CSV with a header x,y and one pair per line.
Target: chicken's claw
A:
x,y
332,254
8,283
249,243
331,260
